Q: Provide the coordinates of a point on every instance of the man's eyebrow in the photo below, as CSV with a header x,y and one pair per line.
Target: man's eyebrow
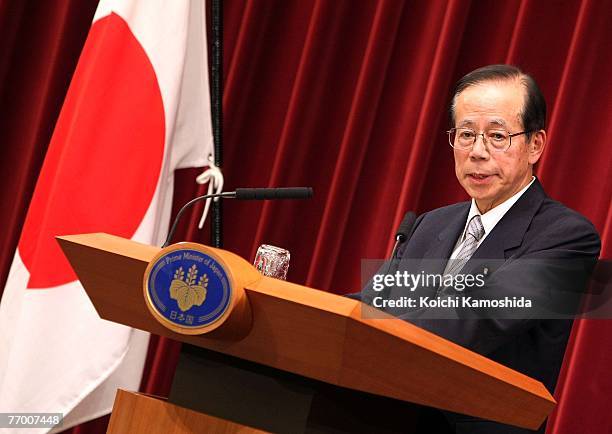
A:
x,y
465,122
499,122
469,122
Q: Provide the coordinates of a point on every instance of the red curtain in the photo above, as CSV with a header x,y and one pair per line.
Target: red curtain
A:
x,y
350,98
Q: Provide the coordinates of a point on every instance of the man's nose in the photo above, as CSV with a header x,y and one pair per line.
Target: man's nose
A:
x,y
479,150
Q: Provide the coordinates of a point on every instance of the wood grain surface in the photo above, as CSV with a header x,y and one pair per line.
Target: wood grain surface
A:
x,y
318,335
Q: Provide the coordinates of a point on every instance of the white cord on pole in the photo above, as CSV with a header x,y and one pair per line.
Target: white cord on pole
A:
x,y
214,178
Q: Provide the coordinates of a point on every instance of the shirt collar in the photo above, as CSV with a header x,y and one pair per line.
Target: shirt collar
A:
x,y
494,215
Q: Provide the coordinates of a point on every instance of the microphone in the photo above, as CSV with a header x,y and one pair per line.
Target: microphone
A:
x,y
246,194
273,193
405,227
403,231
402,234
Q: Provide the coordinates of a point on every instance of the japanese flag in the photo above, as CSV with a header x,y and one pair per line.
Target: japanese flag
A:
x,y
137,109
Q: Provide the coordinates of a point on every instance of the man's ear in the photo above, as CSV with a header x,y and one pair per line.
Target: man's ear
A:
x,y
536,146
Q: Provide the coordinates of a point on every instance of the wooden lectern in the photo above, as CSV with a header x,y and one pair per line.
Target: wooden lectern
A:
x,y
283,347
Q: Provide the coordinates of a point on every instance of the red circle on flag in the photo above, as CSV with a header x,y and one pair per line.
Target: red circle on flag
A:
x,y
105,158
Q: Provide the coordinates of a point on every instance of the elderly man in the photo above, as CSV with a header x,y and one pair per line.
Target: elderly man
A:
x,y
498,135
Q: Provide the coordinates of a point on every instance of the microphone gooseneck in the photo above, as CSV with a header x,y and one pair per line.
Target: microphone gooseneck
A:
x,y
245,194
403,231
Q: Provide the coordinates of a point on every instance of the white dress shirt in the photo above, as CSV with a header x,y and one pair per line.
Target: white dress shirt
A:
x,y
490,218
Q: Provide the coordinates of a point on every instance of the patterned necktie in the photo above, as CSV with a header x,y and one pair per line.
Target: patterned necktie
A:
x,y
475,231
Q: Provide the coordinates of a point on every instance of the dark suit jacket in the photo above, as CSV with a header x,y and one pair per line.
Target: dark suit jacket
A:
x,y
535,228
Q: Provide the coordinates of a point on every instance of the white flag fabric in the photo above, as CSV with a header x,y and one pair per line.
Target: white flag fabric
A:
x,y
136,110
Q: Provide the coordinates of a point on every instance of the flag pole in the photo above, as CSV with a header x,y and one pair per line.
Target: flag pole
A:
x,y
217,113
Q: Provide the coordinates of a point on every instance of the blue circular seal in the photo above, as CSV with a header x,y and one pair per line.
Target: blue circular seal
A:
x,y
187,289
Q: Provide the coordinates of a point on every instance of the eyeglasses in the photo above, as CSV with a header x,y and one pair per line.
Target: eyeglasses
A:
x,y
499,140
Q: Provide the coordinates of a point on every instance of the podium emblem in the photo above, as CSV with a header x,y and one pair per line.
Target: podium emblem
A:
x,y
187,289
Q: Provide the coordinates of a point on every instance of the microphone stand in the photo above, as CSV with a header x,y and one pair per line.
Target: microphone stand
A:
x,y
228,194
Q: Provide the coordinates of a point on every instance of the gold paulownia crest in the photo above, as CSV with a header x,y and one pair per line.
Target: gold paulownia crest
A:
x,y
186,293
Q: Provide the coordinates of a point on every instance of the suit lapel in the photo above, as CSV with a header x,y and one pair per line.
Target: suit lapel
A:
x,y
434,259
509,232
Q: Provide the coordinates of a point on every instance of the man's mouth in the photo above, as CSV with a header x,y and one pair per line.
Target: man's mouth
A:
x,y
480,177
